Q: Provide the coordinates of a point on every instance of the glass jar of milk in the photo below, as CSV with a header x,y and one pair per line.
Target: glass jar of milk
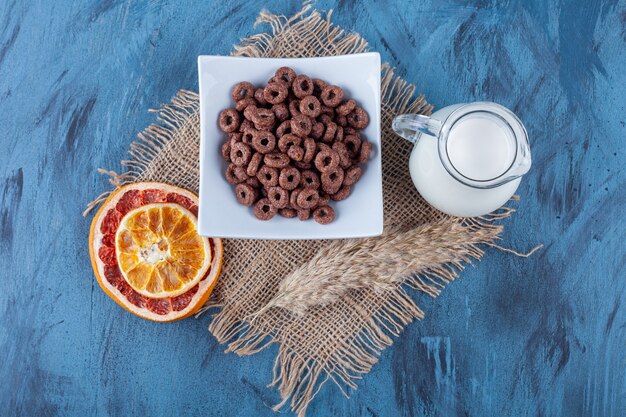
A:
x,y
468,159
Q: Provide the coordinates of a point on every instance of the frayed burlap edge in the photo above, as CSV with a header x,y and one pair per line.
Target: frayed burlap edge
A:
x,y
300,378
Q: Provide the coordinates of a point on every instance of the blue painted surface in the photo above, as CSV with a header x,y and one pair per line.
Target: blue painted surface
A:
x,y
544,336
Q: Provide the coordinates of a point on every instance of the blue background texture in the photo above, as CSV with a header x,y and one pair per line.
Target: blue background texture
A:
x,y
544,336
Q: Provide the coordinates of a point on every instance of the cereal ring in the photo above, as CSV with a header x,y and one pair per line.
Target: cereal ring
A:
x,y
331,95
281,111
263,118
302,86
258,96
310,179
245,125
301,125
326,160
248,112
245,102
283,129
325,119
342,194
286,74
366,150
317,131
310,106
341,121
304,214
346,108
324,214
268,176
276,160
226,151
329,134
263,210
339,134
231,178
255,163
353,143
229,120
344,155
287,141
279,197
245,194
293,198
352,175
332,180
288,213
242,90
318,86
324,199
303,165
294,107
309,150
358,119
275,93
240,154
347,130
322,146
308,198
253,182
276,80
296,153
240,173
248,135
235,137
263,141
289,178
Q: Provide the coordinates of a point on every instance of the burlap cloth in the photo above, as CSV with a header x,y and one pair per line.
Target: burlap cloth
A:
x,y
342,340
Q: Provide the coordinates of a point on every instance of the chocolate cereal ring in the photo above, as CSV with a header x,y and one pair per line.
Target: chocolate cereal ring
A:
x,y
331,95
346,108
293,198
304,214
339,134
288,213
245,125
302,86
353,143
353,174
289,178
245,102
276,160
253,182
279,197
309,179
229,120
309,150
318,86
245,194
324,198
263,141
248,112
330,132
344,155
275,93
231,178
268,176
281,111
358,119
287,141
283,129
242,90
240,154
263,118
326,160
366,150
324,214
235,137
258,96
301,125
248,135
285,74
317,131
310,106
264,210
294,107
341,121
303,165
296,153
255,164
226,151
342,194
240,173
332,180
308,198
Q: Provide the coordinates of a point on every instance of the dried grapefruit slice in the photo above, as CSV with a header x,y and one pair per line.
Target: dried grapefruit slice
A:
x,y
196,261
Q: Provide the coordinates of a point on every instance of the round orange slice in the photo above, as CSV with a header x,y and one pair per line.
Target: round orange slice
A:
x,y
147,255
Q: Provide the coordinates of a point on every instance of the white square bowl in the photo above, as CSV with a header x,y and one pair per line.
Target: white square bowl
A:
x,y
220,215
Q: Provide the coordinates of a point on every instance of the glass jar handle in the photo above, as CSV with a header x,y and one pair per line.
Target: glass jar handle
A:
x,y
407,125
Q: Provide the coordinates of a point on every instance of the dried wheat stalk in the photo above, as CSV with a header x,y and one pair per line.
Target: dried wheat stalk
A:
x,y
380,263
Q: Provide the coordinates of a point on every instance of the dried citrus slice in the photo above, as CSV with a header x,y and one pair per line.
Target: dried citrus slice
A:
x,y
195,261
